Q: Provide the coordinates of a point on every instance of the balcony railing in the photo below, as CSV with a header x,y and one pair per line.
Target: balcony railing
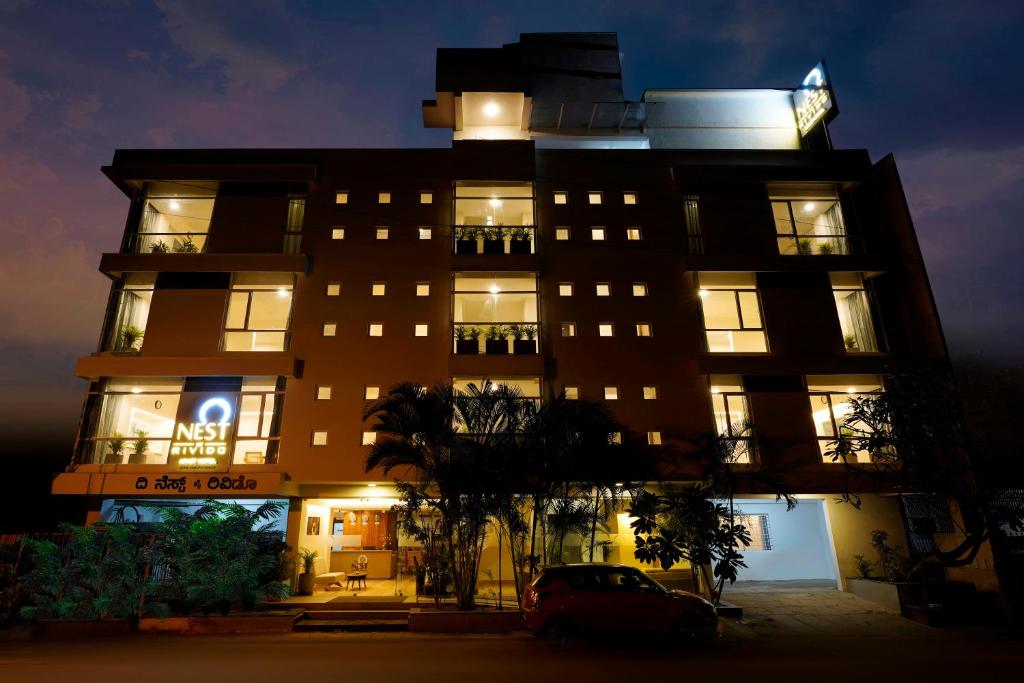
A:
x,y
494,239
496,339
167,243
817,245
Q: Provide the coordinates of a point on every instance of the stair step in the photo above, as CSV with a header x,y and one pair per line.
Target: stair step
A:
x,y
356,605
360,614
352,625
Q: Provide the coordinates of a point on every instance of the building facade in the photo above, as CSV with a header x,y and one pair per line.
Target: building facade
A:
x,y
703,261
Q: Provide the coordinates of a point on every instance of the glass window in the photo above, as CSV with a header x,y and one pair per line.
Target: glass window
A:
x,y
629,198
175,217
606,329
425,233
376,329
333,289
757,527
368,438
318,438
732,416
421,329
561,197
597,234
691,212
499,305
603,289
529,387
495,216
422,289
568,329
564,289
259,312
382,233
128,326
853,305
633,234
639,289
810,224
561,234
323,393
371,393
611,393
378,288
594,197
830,398
293,227
572,393
329,329
731,310
426,197
643,330
650,393
615,438
338,233
383,197
653,438
341,197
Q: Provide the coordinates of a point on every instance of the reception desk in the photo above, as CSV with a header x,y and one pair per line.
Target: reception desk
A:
x,y
381,564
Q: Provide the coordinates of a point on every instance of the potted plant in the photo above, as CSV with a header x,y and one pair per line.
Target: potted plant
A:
x,y
804,247
140,446
496,343
466,340
524,339
825,249
307,579
159,247
494,241
116,447
130,338
520,243
186,246
850,342
465,240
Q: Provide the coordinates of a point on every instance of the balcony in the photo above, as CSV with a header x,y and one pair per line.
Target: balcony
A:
x,y
495,339
167,243
488,239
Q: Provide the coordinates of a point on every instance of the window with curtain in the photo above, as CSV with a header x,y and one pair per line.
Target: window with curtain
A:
x,y
293,228
853,306
809,225
830,398
175,217
128,325
732,416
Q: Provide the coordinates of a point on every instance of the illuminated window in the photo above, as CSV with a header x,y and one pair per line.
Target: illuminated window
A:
x,y
341,197
127,331
564,289
421,329
333,289
594,197
376,329
757,527
597,234
318,438
653,438
615,438
383,197
650,393
809,225
382,233
606,329
378,289
603,289
572,393
371,393
853,305
425,233
639,289
643,329
561,234
611,393
329,329
633,234
629,198
568,329
422,289
323,393
561,197
831,398
259,312
731,312
175,218
426,197
368,438
337,233
731,411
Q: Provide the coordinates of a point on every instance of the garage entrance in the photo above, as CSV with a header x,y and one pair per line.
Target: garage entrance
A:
x,y
787,546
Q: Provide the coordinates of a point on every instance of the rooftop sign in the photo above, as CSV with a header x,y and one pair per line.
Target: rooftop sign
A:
x,y
813,100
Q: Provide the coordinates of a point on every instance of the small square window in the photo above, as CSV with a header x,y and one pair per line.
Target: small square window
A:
x,y
650,393
594,197
639,289
376,329
422,329
611,393
572,393
369,438
426,197
337,233
323,393
426,233
341,197
378,288
597,234
653,438
564,289
629,198
383,197
568,329
561,234
633,234
603,289
330,329
422,289
615,438
333,289
382,233
561,197
643,329
318,438
606,329
371,393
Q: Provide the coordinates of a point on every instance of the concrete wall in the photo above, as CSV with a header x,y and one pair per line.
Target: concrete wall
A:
x,y
800,547
851,529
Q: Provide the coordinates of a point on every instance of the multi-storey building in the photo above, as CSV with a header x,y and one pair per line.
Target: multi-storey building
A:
x,y
699,259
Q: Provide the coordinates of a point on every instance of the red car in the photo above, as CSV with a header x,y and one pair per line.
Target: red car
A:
x,y
595,597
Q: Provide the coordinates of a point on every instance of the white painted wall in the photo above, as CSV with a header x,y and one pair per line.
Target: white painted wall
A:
x,y
721,119
801,549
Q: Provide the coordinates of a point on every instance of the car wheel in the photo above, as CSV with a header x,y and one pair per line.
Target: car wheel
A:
x,y
561,630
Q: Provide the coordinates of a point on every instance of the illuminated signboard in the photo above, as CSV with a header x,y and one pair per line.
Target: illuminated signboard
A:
x,y
814,100
203,445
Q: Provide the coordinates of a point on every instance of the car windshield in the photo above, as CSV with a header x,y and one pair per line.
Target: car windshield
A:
x,y
630,580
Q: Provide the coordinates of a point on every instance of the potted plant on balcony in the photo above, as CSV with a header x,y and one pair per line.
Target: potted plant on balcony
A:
x,y
826,249
307,579
520,243
115,446
804,247
465,240
130,339
186,246
524,339
159,247
467,340
850,342
494,241
496,343
139,446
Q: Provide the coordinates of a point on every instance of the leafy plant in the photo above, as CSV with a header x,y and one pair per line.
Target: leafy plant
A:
x,y
308,558
520,234
493,234
186,246
158,247
130,336
529,331
495,332
850,341
140,444
863,566
804,247
890,560
474,333
825,249
514,330
460,332
116,447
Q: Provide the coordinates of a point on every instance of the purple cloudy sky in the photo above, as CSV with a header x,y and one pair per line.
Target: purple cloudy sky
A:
x,y
937,83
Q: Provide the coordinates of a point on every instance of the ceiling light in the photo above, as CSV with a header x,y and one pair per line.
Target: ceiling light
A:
x,y
715,390
703,293
491,109
808,207
175,205
372,484
136,390
851,390
495,203
494,289
282,292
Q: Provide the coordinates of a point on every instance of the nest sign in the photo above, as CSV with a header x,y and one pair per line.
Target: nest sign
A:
x,y
203,445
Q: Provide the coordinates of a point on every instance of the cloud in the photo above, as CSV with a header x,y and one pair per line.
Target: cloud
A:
x,y
81,113
16,101
937,179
